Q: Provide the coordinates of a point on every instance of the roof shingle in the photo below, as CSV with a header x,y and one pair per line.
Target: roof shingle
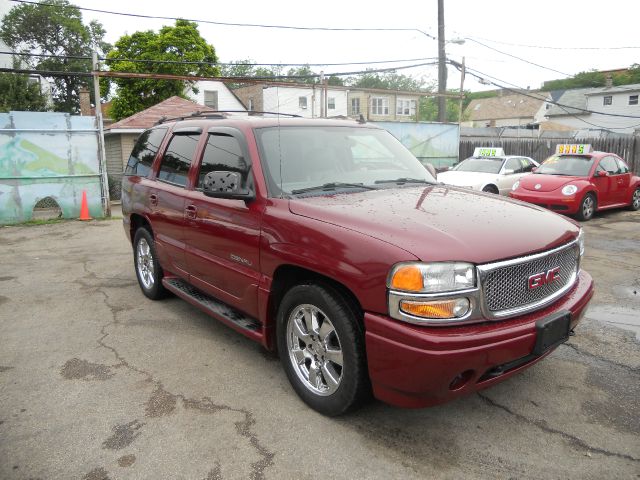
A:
x,y
171,107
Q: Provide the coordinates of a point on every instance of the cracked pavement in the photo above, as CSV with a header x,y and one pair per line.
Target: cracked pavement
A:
x,y
98,382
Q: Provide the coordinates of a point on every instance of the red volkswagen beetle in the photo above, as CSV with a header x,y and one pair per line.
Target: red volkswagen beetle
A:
x,y
579,181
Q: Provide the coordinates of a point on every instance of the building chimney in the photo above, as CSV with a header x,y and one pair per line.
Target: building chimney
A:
x,y
608,82
85,101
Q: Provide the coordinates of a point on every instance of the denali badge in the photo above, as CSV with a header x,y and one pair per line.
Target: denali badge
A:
x,y
544,278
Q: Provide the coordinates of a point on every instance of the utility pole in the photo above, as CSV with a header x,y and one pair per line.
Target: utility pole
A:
x,y
462,72
323,97
104,178
442,66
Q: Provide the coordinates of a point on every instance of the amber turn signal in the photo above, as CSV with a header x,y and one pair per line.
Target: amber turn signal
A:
x,y
444,309
408,278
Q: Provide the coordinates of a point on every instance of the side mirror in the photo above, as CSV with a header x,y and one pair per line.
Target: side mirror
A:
x,y
509,171
224,184
602,173
534,169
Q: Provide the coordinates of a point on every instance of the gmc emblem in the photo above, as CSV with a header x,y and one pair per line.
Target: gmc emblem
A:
x,y
544,278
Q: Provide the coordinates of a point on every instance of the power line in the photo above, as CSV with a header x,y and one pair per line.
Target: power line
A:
x,y
230,64
548,47
521,91
519,58
234,24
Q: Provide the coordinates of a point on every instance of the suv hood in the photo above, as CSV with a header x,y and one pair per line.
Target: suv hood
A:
x,y
439,223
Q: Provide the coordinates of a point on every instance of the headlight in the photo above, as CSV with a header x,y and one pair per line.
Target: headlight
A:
x,y
515,185
569,189
432,277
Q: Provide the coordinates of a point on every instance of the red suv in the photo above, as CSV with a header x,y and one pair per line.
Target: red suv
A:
x,y
330,242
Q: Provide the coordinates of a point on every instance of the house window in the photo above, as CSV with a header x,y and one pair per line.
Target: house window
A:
x,y
379,106
251,104
608,100
405,107
331,103
355,106
633,99
211,99
302,102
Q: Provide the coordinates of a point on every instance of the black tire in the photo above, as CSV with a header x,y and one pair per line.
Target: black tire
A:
x,y
491,189
635,200
148,270
588,207
309,364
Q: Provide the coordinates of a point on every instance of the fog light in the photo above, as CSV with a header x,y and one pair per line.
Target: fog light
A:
x,y
444,309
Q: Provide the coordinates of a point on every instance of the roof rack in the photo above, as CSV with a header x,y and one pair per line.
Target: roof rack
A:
x,y
219,114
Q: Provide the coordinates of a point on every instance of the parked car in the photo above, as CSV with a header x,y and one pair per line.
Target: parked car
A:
x,y
579,181
328,241
489,170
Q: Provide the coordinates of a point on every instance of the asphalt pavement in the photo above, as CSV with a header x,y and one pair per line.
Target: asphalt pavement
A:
x,y
97,382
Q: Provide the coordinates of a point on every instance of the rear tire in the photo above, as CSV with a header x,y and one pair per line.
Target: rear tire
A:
x,y
587,207
148,270
321,347
635,200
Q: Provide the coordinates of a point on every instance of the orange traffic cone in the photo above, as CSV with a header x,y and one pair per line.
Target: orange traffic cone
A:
x,y
84,207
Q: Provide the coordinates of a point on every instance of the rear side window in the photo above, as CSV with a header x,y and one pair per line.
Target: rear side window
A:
x,y
223,152
176,161
144,152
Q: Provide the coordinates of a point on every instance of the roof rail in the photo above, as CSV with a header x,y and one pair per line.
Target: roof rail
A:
x,y
219,114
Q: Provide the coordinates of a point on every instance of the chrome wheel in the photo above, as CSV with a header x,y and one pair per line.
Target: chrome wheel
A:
x,y
314,349
635,200
588,206
144,257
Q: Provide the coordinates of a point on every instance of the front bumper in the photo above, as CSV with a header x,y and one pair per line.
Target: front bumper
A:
x,y
559,203
415,366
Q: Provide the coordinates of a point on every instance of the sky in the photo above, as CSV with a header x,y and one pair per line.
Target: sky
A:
x,y
553,38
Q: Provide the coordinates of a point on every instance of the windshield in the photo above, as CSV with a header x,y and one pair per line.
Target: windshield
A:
x,y
573,165
296,159
483,165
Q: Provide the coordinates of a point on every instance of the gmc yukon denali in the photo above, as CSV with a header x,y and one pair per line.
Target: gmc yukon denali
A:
x,y
328,241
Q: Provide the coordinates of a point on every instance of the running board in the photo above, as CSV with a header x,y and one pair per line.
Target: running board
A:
x,y
211,305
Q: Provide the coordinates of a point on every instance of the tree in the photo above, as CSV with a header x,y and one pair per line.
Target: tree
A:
x,y
55,28
428,110
180,43
389,81
18,93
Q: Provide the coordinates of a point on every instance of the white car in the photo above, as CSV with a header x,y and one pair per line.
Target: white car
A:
x,y
495,174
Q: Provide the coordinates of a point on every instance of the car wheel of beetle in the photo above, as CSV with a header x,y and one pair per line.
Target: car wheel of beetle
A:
x,y
148,269
587,207
321,348
635,200
490,189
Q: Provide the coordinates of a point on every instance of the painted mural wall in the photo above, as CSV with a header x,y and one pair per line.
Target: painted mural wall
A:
x,y
434,143
46,154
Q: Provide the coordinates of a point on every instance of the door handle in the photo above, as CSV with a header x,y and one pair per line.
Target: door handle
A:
x,y
191,212
153,199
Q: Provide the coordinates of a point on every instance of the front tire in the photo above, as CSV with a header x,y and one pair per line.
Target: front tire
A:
x,y
635,200
146,264
321,348
491,189
587,207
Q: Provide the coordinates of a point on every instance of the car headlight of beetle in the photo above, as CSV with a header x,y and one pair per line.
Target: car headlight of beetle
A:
x,y
569,190
515,185
431,291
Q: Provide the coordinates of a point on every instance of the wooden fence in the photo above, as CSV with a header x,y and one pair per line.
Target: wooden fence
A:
x,y
541,148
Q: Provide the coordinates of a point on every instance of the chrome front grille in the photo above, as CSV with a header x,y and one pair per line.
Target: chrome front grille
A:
x,y
505,285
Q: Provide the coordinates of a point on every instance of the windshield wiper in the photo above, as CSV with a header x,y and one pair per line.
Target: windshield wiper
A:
x,y
332,186
403,180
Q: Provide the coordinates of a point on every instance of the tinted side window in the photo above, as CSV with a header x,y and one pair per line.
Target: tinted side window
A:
x,y
144,152
222,152
527,165
623,166
176,161
610,165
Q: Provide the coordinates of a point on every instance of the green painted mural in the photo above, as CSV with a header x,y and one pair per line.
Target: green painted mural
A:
x,y
47,155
